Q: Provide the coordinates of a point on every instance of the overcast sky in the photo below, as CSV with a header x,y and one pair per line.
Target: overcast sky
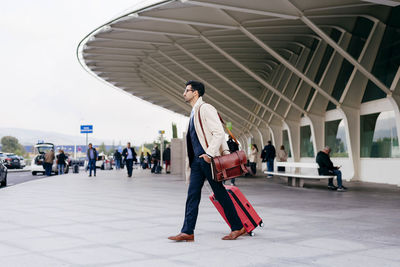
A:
x,y
43,87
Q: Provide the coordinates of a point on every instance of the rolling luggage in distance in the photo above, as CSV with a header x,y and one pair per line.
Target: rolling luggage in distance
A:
x,y
158,169
76,168
245,210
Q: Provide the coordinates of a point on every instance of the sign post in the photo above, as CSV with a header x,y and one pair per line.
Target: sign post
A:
x,y
86,129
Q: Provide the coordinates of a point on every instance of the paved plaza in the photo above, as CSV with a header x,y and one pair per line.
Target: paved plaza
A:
x,y
112,220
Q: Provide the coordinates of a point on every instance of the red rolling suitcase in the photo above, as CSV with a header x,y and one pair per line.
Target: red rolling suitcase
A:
x,y
245,210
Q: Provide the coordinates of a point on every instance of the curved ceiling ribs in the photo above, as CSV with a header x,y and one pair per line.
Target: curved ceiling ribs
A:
x,y
254,59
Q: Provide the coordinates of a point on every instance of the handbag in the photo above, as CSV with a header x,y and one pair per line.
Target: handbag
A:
x,y
226,167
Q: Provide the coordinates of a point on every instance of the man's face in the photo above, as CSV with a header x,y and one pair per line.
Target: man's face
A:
x,y
189,93
90,146
129,144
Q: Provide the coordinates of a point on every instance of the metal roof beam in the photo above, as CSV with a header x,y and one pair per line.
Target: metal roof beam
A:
x,y
104,38
224,78
341,51
157,83
251,74
197,23
210,85
153,32
287,64
210,98
240,9
167,94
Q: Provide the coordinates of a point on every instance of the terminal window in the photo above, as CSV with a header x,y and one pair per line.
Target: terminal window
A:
x,y
335,138
306,143
286,143
378,136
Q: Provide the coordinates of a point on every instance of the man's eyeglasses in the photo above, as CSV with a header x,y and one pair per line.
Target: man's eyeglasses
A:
x,y
188,90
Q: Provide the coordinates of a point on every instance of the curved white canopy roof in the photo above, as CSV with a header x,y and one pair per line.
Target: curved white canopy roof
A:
x,y
256,57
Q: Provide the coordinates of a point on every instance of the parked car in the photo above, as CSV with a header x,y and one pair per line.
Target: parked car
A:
x,y
3,174
11,161
103,162
22,162
37,162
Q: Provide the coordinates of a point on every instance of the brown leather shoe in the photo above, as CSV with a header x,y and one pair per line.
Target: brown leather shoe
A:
x,y
182,237
234,234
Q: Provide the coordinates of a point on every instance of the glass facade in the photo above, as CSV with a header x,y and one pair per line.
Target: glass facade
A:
x,y
306,143
378,136
359,36
335,138
286,143
388,58
335,35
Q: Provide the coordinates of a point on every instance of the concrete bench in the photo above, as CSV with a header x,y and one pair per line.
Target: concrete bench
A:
x,y
296,172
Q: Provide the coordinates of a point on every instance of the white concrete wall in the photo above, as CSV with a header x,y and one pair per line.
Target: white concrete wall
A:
x,y
380,170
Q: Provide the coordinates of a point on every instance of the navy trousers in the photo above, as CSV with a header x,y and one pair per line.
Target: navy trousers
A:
x,y
200,170
92,166
129,166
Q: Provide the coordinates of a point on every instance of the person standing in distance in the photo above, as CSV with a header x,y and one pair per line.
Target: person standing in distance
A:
x,y
268,155
167,159
199,155
92,157
61,161
232,148
130,156
117,159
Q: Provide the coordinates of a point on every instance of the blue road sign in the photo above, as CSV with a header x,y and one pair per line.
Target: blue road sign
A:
x,y
86,128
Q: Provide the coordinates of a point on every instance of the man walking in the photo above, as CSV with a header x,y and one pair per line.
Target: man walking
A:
x,y
326,168
199,154
117,158
268,155
92,157
129,155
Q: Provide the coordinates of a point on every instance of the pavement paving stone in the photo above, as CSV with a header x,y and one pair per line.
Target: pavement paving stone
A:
x,y
31,259
50,243
112,220
9,250
95,255
356,260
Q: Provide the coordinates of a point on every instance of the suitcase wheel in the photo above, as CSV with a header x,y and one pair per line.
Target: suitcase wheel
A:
x,y
261,224
251,234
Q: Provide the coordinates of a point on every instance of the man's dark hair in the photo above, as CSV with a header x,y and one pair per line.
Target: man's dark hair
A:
x,y
198,86
269,143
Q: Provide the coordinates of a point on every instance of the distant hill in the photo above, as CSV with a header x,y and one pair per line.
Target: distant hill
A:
x,y
30,137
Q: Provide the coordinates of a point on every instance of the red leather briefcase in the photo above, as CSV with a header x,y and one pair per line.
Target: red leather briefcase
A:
x,y
228,166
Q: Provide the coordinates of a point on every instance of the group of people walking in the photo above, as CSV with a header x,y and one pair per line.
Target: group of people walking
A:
x,y
151,161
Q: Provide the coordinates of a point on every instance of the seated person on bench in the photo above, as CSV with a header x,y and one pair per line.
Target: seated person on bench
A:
x,y
326,168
